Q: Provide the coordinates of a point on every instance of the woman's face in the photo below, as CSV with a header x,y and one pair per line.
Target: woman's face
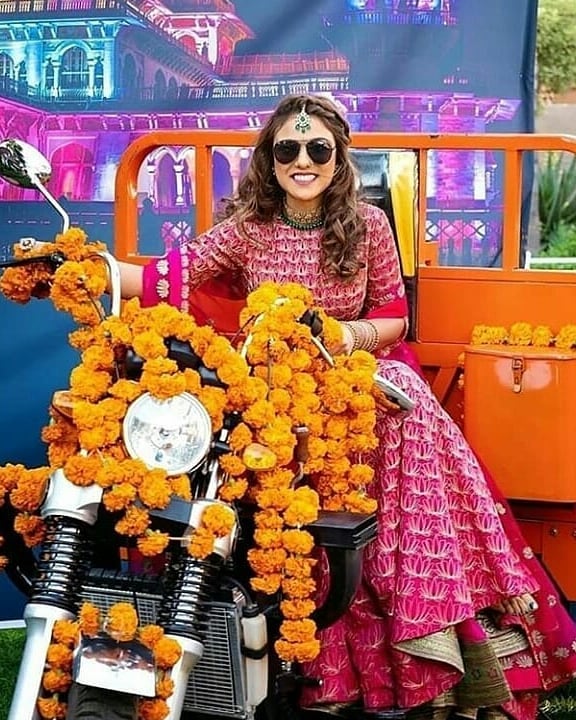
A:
x,y
303,179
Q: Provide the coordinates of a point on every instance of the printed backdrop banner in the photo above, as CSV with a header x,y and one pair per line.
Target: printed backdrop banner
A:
x,y
81,79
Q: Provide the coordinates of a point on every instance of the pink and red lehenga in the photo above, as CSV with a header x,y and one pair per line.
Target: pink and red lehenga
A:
x,y
421,631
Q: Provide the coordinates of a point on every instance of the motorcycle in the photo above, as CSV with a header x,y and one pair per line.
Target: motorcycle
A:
x,y
231,655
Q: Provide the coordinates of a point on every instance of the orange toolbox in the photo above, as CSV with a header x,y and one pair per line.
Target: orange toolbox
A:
x,y
520,417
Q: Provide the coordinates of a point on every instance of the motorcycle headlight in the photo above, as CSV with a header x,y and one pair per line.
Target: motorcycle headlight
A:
x,y
174,434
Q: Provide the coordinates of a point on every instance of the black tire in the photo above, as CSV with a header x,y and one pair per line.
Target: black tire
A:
x,y
89,703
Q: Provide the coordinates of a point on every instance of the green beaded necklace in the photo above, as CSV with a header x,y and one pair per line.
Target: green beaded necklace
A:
x,y
301,220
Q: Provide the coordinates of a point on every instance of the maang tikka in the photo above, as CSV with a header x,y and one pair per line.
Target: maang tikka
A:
x,y
303,122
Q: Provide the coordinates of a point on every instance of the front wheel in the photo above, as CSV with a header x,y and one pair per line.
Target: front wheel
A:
x,y
90,703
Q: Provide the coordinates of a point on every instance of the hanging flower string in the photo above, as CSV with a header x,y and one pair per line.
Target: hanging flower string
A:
x,y
524,334
120,624
280,386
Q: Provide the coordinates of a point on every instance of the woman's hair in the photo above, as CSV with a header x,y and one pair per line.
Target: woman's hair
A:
x,y
260,198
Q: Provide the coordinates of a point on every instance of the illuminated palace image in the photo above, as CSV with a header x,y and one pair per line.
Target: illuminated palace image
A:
x,y
81,79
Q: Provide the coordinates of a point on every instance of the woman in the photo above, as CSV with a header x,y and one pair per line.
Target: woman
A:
x,y
444,579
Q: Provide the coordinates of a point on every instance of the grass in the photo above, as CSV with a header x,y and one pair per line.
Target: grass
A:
x,y
11,647
560,705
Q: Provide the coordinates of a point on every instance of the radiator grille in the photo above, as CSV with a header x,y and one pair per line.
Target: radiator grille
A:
x,y
216,686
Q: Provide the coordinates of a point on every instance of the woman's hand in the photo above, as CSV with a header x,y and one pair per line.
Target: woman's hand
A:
x,y
346,344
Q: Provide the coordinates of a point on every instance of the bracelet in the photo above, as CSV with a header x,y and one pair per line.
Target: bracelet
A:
x,y
364,334
374,336
355,337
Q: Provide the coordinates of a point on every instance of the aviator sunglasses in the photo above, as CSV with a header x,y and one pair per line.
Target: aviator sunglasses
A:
x,y
319,151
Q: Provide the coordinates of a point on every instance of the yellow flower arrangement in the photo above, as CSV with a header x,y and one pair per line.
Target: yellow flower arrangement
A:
x,y
524,334
121,624
279,384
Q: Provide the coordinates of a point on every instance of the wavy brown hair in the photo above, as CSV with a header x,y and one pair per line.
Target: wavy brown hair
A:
x,y
260,198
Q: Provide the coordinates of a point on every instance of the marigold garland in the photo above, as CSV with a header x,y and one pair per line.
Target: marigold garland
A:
x,y
524,334
121,624
278,384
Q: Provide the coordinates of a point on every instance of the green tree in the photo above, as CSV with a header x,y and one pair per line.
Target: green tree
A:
x,y
556,46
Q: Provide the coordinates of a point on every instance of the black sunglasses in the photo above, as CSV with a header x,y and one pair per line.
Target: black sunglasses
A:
x,y
319,151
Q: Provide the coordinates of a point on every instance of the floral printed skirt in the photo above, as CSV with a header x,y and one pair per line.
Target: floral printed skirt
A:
x,y
420,632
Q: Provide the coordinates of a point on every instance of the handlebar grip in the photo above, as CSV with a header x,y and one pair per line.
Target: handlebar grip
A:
x,y
301,451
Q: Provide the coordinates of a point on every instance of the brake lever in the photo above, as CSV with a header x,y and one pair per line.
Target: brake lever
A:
x,y
54,259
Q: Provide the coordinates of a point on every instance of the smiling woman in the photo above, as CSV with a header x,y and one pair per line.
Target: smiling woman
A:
x,y
454,612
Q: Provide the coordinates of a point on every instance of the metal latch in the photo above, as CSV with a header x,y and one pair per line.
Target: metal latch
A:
x,y
518,368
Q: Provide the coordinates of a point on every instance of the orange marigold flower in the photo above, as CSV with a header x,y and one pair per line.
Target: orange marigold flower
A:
x,y
98,357
82,338
279,499
297,652
298,631
126,390
566,338
164,687
520,334
56,681
304,507
299,542
113,409
89,619
119,497
59,657
180,486
66,632
31,527
201,544
193,381
232,465
360,503
58,453
259,414
149,635
82,469
360,475
297,608
60,429
155,709
268,519
267,584
162,385
542,336
265,562
153,543
121,622
134,523
298,587
51,708
268,538
149,344
336,502
31,489
155,490
89,384
233,490
167,652
218,519
299,567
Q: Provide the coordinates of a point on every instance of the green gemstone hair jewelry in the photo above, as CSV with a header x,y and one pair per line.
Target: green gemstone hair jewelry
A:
x,y
303,122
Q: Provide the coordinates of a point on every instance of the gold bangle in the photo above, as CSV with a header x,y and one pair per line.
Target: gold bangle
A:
x,y
374,339
355,338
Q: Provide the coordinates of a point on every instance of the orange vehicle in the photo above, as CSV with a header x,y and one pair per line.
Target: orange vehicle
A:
x,y
515,401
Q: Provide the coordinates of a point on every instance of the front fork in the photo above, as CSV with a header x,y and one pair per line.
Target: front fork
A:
x,y
184,607
69,512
